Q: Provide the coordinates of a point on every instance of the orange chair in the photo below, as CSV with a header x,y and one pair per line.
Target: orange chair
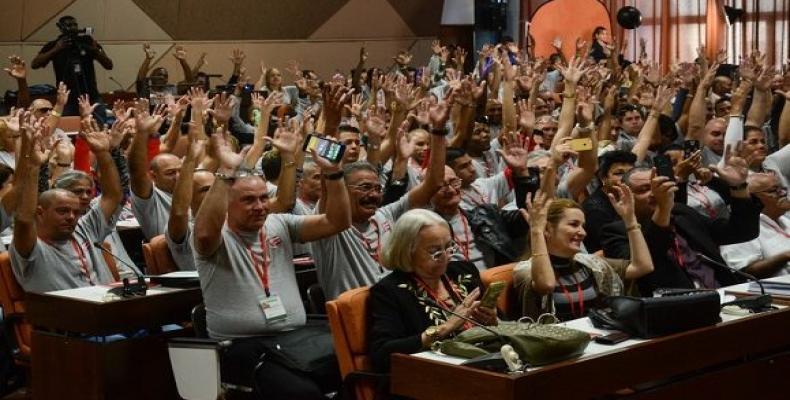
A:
x,y
348,321
158,259
69,124
506,303
12,298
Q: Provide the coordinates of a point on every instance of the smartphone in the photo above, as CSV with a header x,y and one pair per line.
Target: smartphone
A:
x,y
690,147
581,144
492,294
612,338
329,149
664,166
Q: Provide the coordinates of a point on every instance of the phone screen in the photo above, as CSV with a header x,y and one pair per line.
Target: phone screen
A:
x,y
492,293
664,166
690,147
329,149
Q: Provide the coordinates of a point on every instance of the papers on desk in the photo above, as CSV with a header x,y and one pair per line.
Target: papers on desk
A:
x,y
180,274
98,294
772,288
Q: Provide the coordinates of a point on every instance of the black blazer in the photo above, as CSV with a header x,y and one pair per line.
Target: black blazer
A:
x,y
703,235
397,319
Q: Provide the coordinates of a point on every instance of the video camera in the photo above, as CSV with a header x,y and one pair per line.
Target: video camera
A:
x,y
81,38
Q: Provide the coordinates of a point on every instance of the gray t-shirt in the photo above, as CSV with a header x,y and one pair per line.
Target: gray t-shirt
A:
x,y
486,191
464,238
182,252
302,207
59,265
152,213
349,259
232,289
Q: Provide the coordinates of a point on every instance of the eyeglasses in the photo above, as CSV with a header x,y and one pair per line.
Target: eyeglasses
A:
x,y
43,109
367,188
454,183
452,248
241,173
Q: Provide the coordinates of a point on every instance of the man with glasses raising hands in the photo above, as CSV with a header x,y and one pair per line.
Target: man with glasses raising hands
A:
x,y
352,258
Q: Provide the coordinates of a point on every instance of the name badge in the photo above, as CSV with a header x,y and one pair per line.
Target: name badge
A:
x,y
272,307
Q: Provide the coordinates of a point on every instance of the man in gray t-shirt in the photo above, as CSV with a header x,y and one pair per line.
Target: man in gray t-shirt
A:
x,y
244,256
53,245
351,259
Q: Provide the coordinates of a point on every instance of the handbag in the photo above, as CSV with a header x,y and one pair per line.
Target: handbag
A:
x,y
649,317
537,343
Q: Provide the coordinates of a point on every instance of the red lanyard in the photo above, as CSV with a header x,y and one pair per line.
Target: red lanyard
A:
x,y
261,265
775,226
435,296
467,237
374,253
80,254
703,199
580,294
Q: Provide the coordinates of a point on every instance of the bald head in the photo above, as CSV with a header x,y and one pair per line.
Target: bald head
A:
x,y
164,171
54,196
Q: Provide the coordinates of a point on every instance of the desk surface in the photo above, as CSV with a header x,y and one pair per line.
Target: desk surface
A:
x,y
55,311
603,369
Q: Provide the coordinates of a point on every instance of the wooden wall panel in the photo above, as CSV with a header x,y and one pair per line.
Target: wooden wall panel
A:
x,y
368,18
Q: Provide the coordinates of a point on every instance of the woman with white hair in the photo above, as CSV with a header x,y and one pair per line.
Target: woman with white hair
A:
x,y
405,307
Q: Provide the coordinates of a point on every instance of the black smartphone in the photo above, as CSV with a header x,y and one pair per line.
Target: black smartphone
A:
x,y
329,149
664,166
612,338
690,147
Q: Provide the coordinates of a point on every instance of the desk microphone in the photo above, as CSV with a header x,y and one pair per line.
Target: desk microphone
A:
x,y
128,289
756,303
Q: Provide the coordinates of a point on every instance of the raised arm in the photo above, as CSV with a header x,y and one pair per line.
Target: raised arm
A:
x,y
18,71
699,109
288,141
42,59
579,177
98,53
543,279
211,216
266,106
25,233
176,111
146,124
181,55
142,73
623,203
178,221
434,177
650,128
572,74
784,120
337,216
99,143
761,101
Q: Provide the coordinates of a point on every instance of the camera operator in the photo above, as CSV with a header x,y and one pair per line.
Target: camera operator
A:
x,y
72,55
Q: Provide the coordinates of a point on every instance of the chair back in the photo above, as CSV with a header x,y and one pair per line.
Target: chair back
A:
x,y
316,299
348,321
158,259
12,298
199,321
506,301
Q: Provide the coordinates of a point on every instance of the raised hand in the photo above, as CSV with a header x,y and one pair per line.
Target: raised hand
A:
x,y
436,47
622,201
514,156
118,131
663,190
150,54
237,57
180,53
98,139
405,95
220,150
421,113
86,108
735,169
222,108
199,101
287,138
63,95
17,69
663,96
562,152
439,114
557,43
356,106
144,121
32,145
687,166
537,210
405,148
526,116
176,107
765,79
574,71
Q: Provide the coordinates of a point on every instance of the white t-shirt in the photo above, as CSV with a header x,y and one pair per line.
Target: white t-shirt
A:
x,y
485,191
774,239
152,213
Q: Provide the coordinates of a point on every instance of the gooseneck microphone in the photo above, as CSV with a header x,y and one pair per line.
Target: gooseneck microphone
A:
x,y
756,303
129,289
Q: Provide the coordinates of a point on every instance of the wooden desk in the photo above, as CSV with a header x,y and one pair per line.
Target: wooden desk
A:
x,y
67,366
744,358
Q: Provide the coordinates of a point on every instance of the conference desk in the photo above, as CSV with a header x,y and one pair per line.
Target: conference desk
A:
x,y
68,364
741,357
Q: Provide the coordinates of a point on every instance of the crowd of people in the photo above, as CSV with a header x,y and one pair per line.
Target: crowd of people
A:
x,y
599,176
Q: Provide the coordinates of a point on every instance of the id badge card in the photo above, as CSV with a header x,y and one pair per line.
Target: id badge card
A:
x,y
272,307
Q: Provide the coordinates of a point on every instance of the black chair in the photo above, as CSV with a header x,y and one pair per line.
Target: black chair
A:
x,y
316,299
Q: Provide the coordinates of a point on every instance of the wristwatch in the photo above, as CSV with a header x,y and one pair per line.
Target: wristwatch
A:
x,y
433,333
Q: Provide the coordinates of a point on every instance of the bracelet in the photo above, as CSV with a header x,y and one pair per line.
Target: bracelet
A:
x,y
334,176
539,254
568,96
633,227
289,164
63,165
55,113
439,131
736,116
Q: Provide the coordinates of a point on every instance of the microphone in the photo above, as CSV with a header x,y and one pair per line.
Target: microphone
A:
x,y
117,83
128,289
757,303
